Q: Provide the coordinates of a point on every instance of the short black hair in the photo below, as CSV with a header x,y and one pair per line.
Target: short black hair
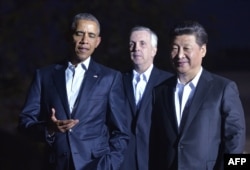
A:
x,y
84,16
189,28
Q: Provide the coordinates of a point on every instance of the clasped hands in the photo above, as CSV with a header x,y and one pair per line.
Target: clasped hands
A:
x,y
56,125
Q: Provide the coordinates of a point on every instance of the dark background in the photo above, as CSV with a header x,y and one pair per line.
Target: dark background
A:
x,y
33,33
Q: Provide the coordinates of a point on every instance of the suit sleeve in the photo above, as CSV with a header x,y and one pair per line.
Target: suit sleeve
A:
x,y
29,122
234,121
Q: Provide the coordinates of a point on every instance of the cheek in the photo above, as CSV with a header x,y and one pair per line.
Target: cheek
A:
x,y
153,53
173,53
74,42
130,49
197,60
172,56
96,44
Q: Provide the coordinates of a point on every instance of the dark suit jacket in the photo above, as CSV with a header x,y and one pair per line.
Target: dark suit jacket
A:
x,y
140,120
100,138
214,124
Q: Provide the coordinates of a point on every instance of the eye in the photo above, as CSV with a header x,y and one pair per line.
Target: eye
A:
x,y
92,35
131,45
187,48
143,43
79,33
174,48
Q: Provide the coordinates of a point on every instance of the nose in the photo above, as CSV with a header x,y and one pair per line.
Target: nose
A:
x,y
136,47
180,53
84,38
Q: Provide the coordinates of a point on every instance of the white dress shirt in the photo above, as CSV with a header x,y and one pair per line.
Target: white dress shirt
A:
x,y
139,83
74,78
184,94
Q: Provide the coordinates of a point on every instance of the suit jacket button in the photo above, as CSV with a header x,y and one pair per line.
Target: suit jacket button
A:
x,y
70,130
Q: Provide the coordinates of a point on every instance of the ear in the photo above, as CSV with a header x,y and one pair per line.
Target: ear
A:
x,y
203,50
154,51
98,41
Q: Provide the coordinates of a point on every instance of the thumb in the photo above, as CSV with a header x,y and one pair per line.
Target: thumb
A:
x,y
53,115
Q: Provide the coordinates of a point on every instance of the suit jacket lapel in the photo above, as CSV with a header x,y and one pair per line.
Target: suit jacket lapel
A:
x,y
153,79
128,77
92,75
201,91
170,103
167,103
60,83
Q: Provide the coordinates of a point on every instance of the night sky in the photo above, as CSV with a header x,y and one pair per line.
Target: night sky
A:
x,y
34,34
229,19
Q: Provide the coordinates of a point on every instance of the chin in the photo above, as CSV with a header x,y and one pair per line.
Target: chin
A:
x,y
180,71
82,58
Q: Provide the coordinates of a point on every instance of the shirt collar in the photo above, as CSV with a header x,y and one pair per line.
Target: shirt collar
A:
x,y
195,80
85,64
146,73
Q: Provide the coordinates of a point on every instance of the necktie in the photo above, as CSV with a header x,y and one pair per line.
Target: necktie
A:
x,y
139,87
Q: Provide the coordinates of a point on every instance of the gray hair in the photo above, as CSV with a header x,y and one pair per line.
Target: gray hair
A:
x,y
85,16
153,36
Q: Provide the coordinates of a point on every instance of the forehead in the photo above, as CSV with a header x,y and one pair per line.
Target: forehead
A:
x,y
86,25
140,35
184,39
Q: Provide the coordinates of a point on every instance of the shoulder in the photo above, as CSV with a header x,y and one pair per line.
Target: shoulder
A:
x,y
216,82
52,67
101,69
158,70
158,76
106,69
168,83
127,73
216,78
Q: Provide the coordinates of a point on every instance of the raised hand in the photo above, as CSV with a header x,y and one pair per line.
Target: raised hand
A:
x,y
61,125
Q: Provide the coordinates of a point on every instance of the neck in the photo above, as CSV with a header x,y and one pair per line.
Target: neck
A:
x,y
140,69
184,79
188,76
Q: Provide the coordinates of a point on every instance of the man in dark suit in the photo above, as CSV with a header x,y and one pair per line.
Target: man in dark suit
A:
x,y
197,115
77,108
138,84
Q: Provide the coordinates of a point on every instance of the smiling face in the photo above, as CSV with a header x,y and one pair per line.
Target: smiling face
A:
x,y
141,50
85,39
187,55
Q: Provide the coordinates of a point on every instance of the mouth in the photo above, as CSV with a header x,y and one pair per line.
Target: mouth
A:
x,y
136,55
180,63
83,49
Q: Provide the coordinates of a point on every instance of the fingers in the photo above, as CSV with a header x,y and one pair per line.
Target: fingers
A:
x,y
53,115
62,125
65,125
